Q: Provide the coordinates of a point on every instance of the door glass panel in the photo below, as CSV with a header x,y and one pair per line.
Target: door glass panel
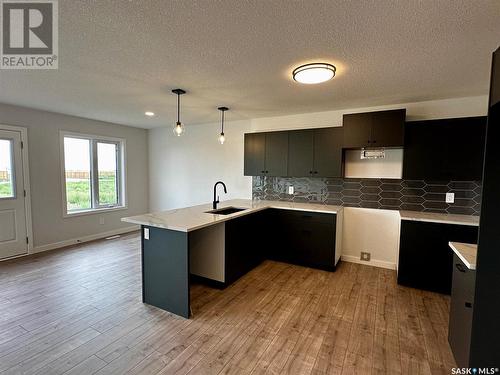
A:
x,y
107,168
77,173
6,169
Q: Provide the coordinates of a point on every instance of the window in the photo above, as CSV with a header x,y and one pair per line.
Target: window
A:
x,y
6,177
93,173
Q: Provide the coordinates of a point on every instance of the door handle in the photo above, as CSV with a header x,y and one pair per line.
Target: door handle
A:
x,y
460,267
468,305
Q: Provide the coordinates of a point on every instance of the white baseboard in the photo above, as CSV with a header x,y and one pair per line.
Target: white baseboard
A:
x,y
75,241
373,262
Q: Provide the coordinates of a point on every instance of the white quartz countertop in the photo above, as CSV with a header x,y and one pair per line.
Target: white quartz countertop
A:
x,y
466,252
432,217
195,217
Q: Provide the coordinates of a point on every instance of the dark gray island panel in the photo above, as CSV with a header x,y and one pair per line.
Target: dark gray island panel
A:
x,y
165,270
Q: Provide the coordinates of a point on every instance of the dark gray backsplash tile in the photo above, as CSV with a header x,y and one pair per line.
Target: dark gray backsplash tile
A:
x,y
389,194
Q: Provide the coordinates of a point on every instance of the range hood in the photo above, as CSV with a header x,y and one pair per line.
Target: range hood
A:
x,y
373,153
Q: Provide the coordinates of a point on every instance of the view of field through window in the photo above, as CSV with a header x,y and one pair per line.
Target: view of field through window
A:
x,y
6,178
78,173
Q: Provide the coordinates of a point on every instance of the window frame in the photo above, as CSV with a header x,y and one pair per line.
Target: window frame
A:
x,y
13,176
121,189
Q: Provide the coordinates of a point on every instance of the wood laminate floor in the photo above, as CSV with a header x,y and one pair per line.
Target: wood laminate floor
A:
x,y
79,311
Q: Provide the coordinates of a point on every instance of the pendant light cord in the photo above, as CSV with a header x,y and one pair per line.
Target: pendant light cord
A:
x,y
222,122
178,107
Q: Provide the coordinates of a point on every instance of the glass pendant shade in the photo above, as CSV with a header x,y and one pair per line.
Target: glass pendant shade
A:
x,y
222,138
179,129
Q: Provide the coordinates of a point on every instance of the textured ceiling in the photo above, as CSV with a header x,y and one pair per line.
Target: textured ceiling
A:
x,y
120,58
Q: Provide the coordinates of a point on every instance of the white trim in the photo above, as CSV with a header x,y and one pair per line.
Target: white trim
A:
x,y
26,180
92,237
95,211
122,170
373,262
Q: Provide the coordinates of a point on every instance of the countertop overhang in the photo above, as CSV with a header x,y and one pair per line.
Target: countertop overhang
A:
x,y
196,217
466,252
432,217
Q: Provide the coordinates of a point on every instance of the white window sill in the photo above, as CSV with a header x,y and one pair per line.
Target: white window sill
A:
x,y
94,211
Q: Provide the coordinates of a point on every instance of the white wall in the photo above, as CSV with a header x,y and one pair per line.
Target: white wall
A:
x,y
50,228
183,170
373,231
389,167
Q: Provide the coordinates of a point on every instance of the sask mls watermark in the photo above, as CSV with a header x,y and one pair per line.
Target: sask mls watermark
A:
x,y
29,34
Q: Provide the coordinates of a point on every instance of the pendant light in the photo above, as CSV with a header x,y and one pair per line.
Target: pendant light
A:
x,y
178,127
222,137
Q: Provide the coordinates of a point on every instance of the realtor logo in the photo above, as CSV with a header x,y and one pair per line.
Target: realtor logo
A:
x,y
29,37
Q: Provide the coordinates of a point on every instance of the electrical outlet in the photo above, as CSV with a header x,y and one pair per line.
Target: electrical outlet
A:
x,y
290,190
365,256
450,197
146,233
101,221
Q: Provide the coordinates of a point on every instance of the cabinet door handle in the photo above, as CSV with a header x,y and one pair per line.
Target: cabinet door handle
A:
x,y
267,172
315,172
310,172
262,171
460,267
468,305
374,141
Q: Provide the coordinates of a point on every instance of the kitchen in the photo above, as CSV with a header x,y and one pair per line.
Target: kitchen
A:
x,y
296,188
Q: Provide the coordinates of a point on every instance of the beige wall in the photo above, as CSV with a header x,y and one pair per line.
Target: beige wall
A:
x,y
50,228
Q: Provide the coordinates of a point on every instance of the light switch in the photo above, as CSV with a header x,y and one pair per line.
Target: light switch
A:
x,y
450,197
146,233
290,190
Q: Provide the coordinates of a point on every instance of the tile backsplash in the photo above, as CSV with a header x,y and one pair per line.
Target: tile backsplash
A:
x,y
392,194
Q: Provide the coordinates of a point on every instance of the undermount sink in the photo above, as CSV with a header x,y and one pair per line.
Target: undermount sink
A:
x,y
226,210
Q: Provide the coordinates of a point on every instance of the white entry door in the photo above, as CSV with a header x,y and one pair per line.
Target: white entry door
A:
x,y
13,233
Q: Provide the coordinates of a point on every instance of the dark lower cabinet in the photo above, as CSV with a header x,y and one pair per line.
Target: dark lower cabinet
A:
x,y
425,259
461,308
303,238
245,245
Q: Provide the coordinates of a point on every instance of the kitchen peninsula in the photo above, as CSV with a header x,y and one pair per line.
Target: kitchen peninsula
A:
x,y
219,246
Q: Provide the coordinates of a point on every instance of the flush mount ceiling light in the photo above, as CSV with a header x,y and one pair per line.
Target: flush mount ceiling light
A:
x,y
149,113
314,73
222,137
179,127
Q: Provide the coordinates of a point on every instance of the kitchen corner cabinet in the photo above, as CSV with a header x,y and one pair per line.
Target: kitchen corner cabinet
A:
x,y
461,309
425,259
374,129
315,152
266,154
305,238
444,150
245,245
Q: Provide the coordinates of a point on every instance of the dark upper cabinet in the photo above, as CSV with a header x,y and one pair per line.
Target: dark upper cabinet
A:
x,y
266,154
276,160
495,79
328,152
374,129
449,149
255,154
315,152
300,153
